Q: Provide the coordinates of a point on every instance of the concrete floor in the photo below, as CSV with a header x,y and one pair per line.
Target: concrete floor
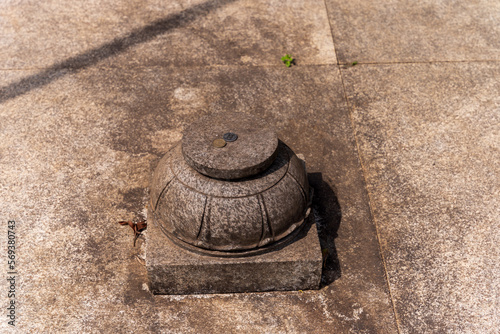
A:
x,y
403,150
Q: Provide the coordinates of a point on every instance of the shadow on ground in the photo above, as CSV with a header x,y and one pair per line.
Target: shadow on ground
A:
x,y
328,215
114,47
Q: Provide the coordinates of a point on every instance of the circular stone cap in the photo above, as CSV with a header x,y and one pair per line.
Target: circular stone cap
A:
x,y
251,146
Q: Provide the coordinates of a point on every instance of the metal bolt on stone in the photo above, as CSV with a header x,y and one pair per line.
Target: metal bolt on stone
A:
x,y
229,209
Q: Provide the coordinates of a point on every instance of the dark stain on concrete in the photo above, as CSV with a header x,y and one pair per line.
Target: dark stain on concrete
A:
x,y
133,201
81,218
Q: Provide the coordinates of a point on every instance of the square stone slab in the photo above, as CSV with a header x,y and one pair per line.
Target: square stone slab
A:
x,y
430,142
175,270
406,31
77,155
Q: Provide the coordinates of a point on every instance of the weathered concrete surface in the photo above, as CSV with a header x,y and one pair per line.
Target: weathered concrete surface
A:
x,y
166,33
94,93
407,31
429,137
77,155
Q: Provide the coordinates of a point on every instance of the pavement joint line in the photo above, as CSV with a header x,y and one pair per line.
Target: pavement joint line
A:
x,y
331,33
419,62
20,69
353,127
177,67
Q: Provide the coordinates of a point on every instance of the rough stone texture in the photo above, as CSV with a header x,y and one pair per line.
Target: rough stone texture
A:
x,y
252,152
430,145
174,270
236,188
235,215
406,30
77,155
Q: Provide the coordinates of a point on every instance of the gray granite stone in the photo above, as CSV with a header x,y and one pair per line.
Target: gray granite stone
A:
x,y
235,188
252,150
174,270
230,215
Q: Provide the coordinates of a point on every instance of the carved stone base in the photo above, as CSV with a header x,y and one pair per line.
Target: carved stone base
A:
x,y
175,270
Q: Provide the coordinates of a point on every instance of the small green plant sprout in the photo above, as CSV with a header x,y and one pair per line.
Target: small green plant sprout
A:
x,y
288,60
354,63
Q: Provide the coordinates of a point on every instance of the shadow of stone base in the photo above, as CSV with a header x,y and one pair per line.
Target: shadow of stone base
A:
x,y
327,213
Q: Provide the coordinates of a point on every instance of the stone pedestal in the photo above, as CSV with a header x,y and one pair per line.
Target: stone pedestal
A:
x,y
175,270
229,213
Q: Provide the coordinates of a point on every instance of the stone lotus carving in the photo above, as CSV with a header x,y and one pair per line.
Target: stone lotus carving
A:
x,y
234,215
